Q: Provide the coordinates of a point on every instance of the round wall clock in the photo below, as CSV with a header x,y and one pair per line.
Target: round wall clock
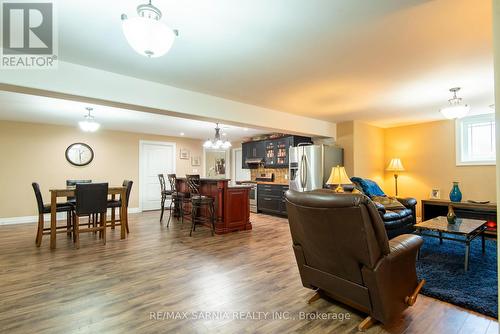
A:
x,y
79,154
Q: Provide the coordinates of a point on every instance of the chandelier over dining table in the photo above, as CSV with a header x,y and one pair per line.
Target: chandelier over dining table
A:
x,y
217,142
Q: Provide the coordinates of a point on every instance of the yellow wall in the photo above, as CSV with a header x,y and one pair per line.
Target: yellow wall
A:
x,y
496,40
428,154
363,146
345,139
35,152
369,152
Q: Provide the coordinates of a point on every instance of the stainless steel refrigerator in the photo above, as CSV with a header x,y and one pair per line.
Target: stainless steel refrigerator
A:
x,y
310,165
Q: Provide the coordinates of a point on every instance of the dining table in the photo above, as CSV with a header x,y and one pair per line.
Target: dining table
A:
x,y
69,191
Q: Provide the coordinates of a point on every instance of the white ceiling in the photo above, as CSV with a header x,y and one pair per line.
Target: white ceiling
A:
x,y
38,109
386,62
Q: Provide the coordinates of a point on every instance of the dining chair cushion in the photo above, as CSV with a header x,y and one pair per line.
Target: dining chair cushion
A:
x,y
45,208
180,194
197,199
61,207
114,203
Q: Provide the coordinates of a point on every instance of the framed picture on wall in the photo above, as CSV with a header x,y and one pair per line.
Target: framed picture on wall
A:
x,y
195,161
184,154
435,193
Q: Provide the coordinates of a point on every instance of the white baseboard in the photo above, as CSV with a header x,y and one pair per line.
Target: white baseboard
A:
x,y
34,219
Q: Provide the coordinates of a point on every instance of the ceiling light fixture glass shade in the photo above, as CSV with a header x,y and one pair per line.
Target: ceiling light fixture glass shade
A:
x,y
456,109
146,34
89,124
217,142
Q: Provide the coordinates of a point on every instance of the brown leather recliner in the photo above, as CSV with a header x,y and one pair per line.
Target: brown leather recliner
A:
x,y
342,250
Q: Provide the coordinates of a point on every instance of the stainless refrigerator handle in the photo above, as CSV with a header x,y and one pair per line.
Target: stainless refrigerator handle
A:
x,y
301,171
306,171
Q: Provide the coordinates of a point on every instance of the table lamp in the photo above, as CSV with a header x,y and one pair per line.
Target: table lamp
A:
x,y
339,177
395,166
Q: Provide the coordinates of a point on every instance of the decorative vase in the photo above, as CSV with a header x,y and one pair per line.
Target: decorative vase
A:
x,y
451,216
455,193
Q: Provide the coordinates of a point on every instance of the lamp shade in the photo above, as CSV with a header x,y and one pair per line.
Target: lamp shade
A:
x,y
338,176
395,165
459,111
148,37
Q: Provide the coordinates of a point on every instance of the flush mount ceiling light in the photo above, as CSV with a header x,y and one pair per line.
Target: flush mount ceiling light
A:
x,y
456,109
146,34
217,142
89,125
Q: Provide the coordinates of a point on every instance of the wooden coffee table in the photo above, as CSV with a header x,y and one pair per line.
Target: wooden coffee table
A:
x,y
463,231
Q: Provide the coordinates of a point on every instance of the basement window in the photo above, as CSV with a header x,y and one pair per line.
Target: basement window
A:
x,y
475,137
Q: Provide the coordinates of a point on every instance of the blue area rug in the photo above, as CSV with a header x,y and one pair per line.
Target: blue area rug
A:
x,y
442,266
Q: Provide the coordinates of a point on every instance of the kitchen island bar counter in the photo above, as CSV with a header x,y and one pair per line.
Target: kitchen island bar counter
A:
x,y
232,205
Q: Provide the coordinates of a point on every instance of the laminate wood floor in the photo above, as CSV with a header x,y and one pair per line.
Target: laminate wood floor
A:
x,y
137,285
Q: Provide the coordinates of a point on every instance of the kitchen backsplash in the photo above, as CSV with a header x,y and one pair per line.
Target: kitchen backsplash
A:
x,y
280,174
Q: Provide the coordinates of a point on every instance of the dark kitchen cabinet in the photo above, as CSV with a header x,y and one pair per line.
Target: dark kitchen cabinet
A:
x,y
252,150
277,155
273,152
271,199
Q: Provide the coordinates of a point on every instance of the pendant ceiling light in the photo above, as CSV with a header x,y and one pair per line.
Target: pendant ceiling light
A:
x,y
456,109
217,142
146,34
89,124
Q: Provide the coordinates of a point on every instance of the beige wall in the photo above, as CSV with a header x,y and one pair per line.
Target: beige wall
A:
x,y
35,152
428,155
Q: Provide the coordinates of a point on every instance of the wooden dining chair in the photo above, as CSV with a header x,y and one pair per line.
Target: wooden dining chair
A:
x,y
45,208
91,199
113,204
72,199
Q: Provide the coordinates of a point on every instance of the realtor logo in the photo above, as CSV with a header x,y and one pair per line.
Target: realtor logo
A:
x,y
28,35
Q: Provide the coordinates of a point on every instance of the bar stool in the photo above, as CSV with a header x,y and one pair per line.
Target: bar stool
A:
x,y
164,193
179,198
199,201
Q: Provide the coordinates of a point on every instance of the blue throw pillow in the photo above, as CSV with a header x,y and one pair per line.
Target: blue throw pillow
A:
x,y
370,188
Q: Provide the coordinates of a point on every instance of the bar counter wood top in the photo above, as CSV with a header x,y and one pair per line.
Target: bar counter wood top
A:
x,y
232,205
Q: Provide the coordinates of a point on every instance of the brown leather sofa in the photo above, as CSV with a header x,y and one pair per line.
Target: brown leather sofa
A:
x,y
343,252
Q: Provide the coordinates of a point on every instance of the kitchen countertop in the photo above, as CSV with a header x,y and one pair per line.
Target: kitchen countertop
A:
x,y
205,179
273,183
266,182
239,186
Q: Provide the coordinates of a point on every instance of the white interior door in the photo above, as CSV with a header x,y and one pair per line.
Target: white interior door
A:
x,y
156,158
240,174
